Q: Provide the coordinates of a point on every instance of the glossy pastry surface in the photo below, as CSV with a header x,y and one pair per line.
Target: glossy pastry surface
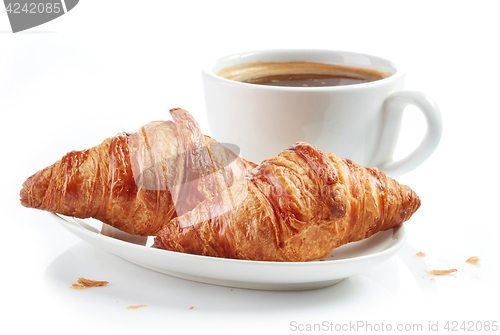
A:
x,y
136,182
296,206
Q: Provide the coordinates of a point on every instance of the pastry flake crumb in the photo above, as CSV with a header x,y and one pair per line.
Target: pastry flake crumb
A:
x,y
420,254
92,283
76,286
191,307
441,272
473,260
432,279
82,283
135,306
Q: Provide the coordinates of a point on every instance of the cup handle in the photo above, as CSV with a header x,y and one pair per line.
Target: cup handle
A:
x,y
393,113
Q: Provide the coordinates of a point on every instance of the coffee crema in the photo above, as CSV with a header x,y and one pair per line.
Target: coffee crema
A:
x,y
300,74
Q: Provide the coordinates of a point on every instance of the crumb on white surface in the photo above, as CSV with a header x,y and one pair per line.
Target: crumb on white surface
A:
x,y
135,306
82,283
473,260
441,272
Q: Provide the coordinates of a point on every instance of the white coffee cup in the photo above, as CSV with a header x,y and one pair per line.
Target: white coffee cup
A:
x,y
360,121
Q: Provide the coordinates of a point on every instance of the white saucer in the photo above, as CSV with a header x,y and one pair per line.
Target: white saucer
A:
x,y
343,262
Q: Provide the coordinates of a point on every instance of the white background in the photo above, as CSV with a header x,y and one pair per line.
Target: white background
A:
x,y
111,66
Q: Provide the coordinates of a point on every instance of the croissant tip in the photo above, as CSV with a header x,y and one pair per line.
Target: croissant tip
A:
x,y
414,203
24,194
35,188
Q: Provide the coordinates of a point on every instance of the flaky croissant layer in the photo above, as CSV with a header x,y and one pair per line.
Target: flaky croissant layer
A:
x,y
296,206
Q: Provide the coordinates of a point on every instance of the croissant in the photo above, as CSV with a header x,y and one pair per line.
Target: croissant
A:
x,y
137,182
296,206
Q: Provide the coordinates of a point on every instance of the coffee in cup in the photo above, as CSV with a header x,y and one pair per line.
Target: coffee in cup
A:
x,y
300,74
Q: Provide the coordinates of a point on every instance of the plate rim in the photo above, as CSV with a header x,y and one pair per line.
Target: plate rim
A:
x,y
399,234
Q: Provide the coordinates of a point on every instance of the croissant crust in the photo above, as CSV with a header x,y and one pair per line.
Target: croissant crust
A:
x,y
296,206
137,182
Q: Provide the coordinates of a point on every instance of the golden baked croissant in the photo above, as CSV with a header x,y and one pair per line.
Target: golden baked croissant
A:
x,y
137,182
296,206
